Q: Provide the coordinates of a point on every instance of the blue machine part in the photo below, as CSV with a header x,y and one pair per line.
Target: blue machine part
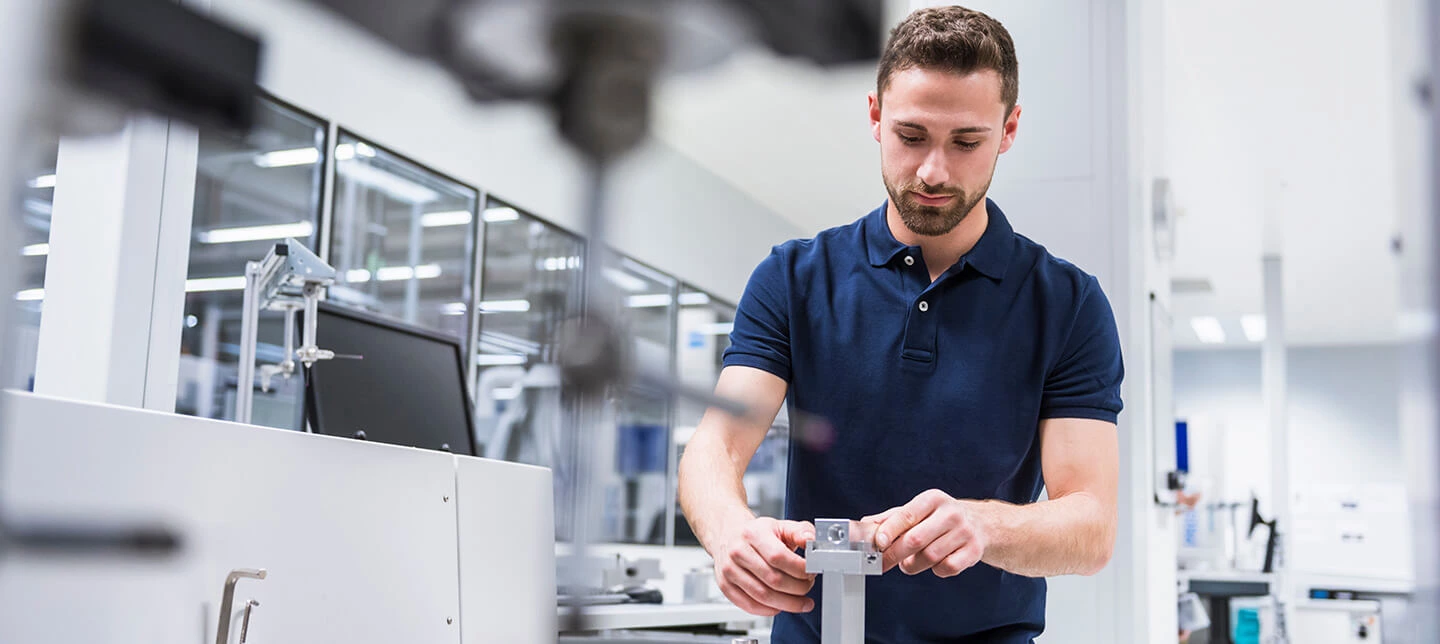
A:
x,y
1182,446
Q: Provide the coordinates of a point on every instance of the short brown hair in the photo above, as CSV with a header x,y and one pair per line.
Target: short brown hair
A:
x,y
952,39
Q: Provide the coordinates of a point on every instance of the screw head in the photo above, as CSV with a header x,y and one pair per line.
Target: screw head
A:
x,y
449,620
445,499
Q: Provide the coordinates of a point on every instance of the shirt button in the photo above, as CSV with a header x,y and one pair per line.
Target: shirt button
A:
x,y
909,261
924,306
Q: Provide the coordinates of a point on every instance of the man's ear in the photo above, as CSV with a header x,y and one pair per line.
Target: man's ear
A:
x,y
874,102
1012,125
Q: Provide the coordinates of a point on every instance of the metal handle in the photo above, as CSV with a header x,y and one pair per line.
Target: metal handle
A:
x,y
227,600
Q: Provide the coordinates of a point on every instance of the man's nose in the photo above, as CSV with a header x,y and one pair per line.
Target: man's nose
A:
x,y
932,170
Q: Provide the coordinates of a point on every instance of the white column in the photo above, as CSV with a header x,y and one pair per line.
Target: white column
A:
x,y
118,251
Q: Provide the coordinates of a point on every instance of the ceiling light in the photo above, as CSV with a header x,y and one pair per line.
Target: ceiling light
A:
x,y
495,215
694,299
43,181
31,295
648,301
35,250
393,273
495,360
1208,329
288,158
626,281
1254,327
446,218
347,151
297,230
207,284
454,308
559,263
505,306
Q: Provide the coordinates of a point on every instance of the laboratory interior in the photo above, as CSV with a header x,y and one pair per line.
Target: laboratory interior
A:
x,y
375,322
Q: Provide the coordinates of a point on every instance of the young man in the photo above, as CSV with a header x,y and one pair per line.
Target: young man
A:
x,y
959,365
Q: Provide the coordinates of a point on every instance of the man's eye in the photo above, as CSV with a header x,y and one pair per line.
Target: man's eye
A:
x,y
968,145
910,140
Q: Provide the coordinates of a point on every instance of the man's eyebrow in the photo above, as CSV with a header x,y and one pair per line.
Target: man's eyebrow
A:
x,y
976,129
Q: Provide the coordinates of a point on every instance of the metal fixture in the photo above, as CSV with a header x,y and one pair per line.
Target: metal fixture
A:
x,y
842,554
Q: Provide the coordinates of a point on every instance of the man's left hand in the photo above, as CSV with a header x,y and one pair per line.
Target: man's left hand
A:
x,y
931,532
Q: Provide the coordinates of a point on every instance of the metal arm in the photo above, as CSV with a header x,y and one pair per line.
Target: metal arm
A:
x,y
288,279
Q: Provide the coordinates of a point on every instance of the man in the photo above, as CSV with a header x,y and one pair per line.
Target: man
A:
x,y
959,366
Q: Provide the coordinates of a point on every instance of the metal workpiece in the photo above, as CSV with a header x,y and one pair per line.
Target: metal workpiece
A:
x,y
843,554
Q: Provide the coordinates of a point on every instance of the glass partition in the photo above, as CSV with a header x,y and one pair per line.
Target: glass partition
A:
x,y
402,239
250,192
531,284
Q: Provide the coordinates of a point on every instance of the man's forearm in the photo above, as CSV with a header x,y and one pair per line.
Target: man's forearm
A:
x,y
1074,534
711,489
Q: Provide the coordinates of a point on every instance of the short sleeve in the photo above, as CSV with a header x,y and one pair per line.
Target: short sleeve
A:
x,y
1085,381
761,337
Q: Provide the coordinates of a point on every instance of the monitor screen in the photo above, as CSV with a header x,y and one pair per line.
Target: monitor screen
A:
x,y
407,387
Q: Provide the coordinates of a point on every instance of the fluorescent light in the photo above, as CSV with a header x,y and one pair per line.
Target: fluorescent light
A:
x,y
35,250
694,299
256,233
1208,329
31,295
399,188
347,151
43,181
288,158
625,280
1254,327
559,263
394,273
494,215
718,328
496,360
648,301
454,308
446,218
207,284
505,306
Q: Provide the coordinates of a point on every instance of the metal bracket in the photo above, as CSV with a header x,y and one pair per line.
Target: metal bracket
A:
x,y
843,554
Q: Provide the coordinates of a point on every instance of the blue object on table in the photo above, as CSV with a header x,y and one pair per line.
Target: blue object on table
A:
x,y
1182,445
1247,626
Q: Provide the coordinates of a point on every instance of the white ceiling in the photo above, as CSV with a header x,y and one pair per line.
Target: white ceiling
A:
x,y
1296,120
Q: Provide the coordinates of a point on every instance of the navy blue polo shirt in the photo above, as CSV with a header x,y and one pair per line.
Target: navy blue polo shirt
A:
x,y
926,385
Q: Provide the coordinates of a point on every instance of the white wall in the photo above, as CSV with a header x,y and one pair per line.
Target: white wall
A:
x,y
668,212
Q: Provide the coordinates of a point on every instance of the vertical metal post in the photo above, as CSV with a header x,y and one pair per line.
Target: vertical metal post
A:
x,y
842,617
250,320
1274,387
412,285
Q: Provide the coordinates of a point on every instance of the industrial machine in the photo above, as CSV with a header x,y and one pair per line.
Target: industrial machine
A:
x,y
843,554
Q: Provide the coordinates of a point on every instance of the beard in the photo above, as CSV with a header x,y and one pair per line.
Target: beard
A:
x,y
933,221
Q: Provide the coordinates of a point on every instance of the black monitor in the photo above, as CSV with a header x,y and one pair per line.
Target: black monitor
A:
x,y
407,388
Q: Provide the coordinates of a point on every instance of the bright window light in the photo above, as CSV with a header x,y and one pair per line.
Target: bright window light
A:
x,y
31,295
208,284
43,181
505,306
496,360
446,218
256,233
288,158
1208,329
357,275
1254,327
648,301
394,273
560,263
347,151
694,299
494,215
506,393
399,188
35,250
454,308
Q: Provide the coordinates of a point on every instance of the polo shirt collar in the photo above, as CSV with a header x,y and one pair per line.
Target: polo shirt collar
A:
x,y
990,256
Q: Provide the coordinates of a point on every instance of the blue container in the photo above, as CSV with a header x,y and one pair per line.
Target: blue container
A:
x,y
1247,626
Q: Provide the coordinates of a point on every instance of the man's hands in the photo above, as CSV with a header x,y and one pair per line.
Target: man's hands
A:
x,y
931,532
758,570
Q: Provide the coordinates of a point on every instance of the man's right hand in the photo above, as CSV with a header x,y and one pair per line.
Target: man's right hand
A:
x,y
758,570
